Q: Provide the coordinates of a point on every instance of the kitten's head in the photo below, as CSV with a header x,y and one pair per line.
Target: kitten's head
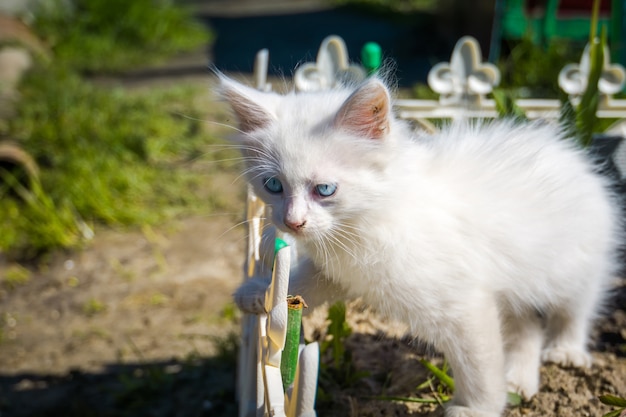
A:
x,y
317,159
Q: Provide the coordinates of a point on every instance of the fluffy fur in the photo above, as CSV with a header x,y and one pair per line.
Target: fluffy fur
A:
x,y
495,243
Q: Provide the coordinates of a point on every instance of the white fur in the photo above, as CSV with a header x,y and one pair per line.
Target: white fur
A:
x,y
493,242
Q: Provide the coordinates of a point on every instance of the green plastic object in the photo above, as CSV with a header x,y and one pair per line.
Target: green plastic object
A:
x,y
371,57
289,356
278,245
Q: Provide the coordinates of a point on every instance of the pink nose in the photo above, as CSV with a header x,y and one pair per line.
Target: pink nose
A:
x,y
296,225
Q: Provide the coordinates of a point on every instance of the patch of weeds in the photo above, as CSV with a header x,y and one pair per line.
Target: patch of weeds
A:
x,y
532,70
33,221
127,274
72,282
114,35
439,387
619,403
15,276
337,370
440,380
93,306
231,313
106,156
158,299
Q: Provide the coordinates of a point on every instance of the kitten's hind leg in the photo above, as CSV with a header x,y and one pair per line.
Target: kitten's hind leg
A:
x,y
524,335
567,333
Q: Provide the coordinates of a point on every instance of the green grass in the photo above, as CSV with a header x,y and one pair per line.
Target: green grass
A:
x,y
93,307
15,276
337,369
618,403
107,156
115,35
396,6
32,222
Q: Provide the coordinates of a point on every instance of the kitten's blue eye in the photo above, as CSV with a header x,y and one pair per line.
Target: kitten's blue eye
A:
x,y
325,190
273,185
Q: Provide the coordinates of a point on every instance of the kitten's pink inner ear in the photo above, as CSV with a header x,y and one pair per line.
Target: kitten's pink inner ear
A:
x,y
366,112
251,116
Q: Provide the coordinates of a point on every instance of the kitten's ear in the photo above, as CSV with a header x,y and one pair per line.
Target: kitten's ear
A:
x,y
245,102
367,111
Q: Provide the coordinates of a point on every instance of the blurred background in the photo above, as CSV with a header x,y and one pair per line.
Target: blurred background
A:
x,y
121,236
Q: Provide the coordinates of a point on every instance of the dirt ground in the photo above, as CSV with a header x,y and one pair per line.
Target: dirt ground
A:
x,y
141,323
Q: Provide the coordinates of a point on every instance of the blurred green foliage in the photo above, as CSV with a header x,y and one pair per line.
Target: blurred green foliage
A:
x,y
532,70
114,35
391,5
108,156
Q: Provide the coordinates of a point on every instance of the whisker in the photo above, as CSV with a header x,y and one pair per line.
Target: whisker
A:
x,y
213,122
246,221
336,238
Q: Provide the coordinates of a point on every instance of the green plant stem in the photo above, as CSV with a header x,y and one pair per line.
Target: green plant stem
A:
x,y
289,357
444,398
439,373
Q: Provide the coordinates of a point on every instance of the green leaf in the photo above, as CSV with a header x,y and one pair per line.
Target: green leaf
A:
x,y
593,30
612,400
443,398
441,375
339,330
586,118
567,118
614,413
514,399
506,106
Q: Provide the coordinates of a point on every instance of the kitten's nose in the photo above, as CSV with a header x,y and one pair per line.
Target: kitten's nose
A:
x,y
295,225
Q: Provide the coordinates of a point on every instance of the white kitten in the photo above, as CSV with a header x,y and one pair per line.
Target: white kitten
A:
x,y
495,243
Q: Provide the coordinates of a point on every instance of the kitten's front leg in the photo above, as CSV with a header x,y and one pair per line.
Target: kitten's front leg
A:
x,y
473,346
250,296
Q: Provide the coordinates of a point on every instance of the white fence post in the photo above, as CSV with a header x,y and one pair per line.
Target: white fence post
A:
x,y
260,385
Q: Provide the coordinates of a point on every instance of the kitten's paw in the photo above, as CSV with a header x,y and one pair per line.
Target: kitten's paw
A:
x,y
461,411
526,389
523,381
567,356
250,296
